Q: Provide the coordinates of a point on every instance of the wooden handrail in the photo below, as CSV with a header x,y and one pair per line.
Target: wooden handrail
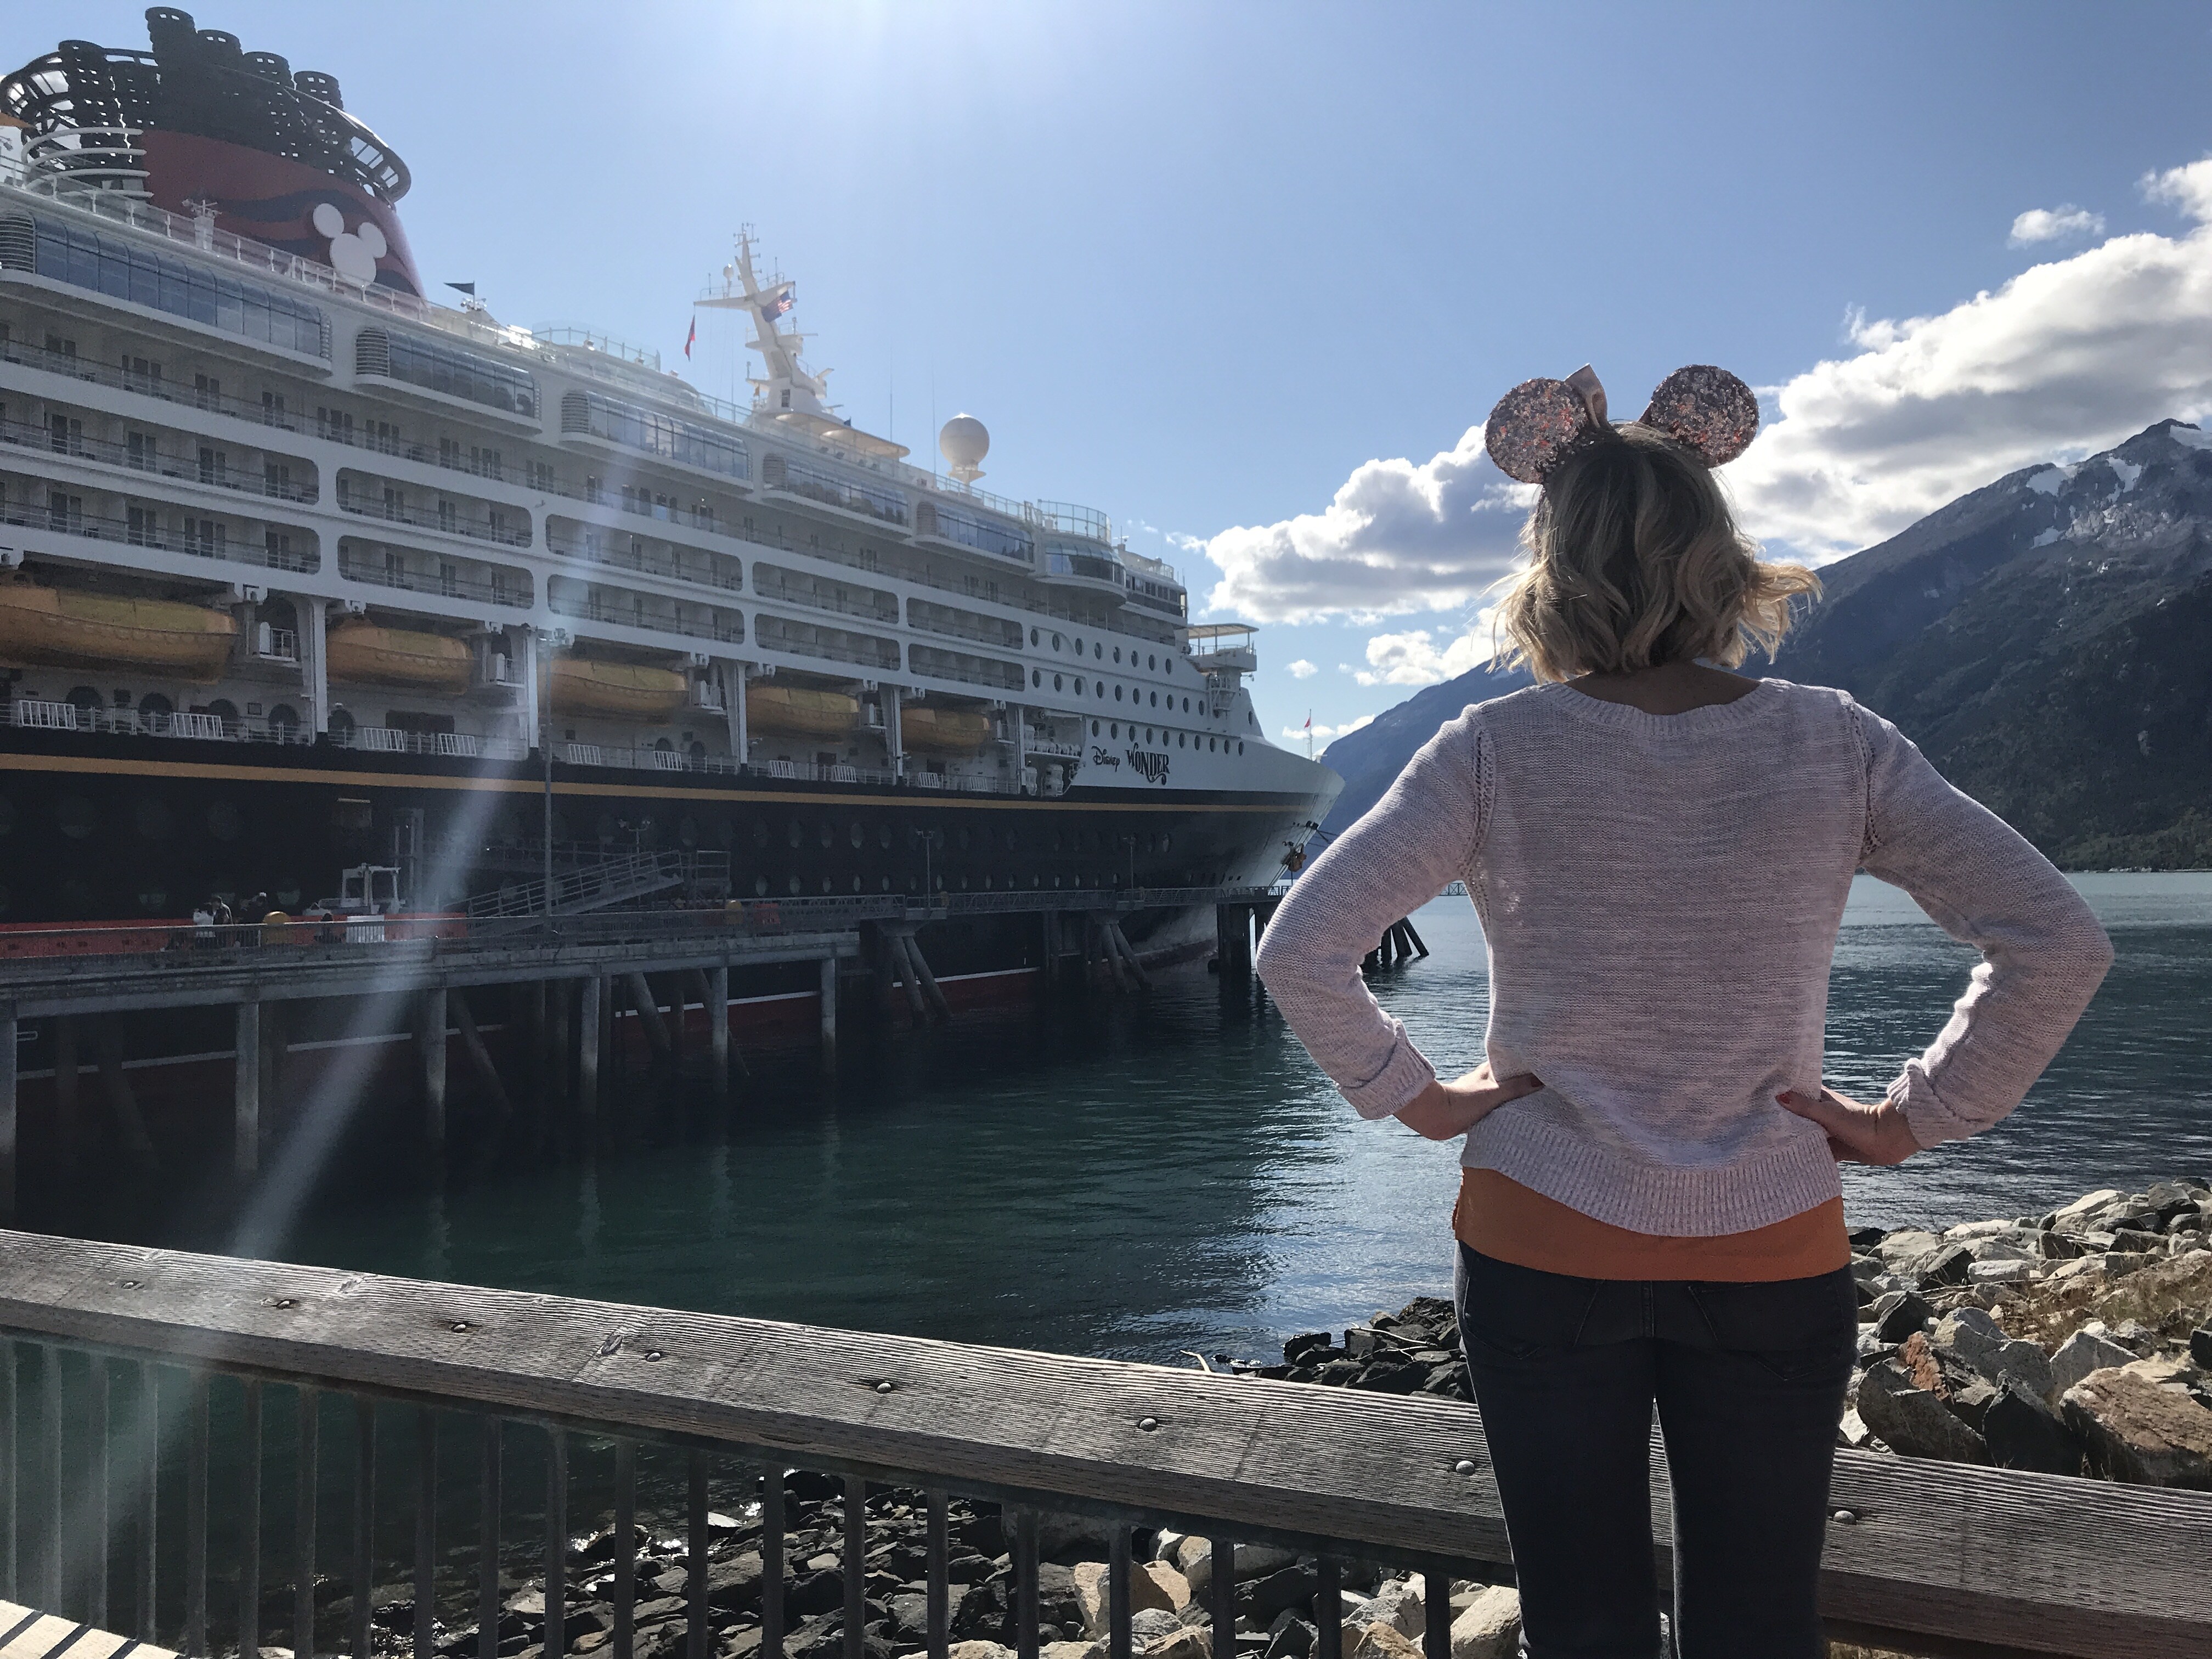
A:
x,y
1937,1558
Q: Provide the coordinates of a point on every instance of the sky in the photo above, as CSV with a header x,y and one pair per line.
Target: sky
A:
x,y
1250,276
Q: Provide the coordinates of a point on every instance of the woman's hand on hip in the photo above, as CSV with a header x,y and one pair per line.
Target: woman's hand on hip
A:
x,y
1445,1111
1857,1133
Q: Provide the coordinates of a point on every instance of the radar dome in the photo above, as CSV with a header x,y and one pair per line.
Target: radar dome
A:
x,y
964,442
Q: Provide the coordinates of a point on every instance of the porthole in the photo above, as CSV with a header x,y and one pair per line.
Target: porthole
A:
x,y
1148,734
1240,745
829,837
1078,685
856,883
795,832
1056,683
1078,645
1097,650
795,887
1056,642
1210,746
986,883
759,886
1012,841
883,835
1151,664
1155,699
1179,740
155,819
859,835
1037,677
1094,728
1115,730
825,884
1100,689
1165,841
1117,656
887,883
224,820
1055,841
73,816
1033,637
963,840
1117,694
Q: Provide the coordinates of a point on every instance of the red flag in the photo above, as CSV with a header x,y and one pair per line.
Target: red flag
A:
x,y
692,335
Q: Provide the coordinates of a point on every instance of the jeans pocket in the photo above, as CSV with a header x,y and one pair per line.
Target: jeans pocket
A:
x,y
1510,1312
1799,1330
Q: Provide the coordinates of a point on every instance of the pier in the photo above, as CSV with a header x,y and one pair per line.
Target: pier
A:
x,y
568,973
422,1405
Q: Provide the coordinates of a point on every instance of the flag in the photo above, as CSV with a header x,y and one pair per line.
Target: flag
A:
x,y
692,335
1309,720
468,289
776,307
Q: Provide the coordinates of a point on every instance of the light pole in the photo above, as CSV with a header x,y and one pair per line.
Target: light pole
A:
x,y
542,646
929,838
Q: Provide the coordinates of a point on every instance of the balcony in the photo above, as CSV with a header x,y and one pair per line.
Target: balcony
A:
x,y
271,484
726,627
616,551
447,518
1093,572
193,534
390,568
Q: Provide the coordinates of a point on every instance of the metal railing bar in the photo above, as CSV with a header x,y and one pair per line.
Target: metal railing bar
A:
x,y
856,1568
555,1640
249,1529
771,1646
364,1521
625,1638
1436,1633
150,1490
1329,1608
1118,1569
426,1533
101,1521
1221,1593
488,1609
695,1562
1026,1584
940,1573
50,1408
306,1468
9,1470
196,1518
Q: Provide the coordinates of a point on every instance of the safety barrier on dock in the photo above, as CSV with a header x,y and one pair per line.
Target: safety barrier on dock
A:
x,y
462,1383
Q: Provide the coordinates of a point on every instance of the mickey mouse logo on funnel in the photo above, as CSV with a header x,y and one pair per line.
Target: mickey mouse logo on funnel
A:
x,y
354,253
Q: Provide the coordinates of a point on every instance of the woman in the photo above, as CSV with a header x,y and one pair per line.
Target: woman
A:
x,y
1659,852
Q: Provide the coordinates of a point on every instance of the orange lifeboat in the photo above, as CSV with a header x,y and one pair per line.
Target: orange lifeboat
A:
x,y
625,690
63,628
370,653
944,731
799,710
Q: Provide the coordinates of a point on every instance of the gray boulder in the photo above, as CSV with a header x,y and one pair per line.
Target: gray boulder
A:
x,y
1903,1251
2084,1352
1915,1422
2133,1429
1980,1342
2021,1432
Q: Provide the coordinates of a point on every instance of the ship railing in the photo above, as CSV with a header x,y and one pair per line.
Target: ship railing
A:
x,y
35,715
208,538
1010,680
448,524
75,446
1034,744
270,412
389,740
775,635
883,616
501,588
953,629
623,558
732,632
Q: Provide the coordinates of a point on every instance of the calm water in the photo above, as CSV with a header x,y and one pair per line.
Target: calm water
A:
x,y
1172,1173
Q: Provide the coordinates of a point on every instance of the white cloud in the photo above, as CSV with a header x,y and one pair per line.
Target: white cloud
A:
x,y
2069,357
2051,224
1326,733
1414,659
1398,539
1302,670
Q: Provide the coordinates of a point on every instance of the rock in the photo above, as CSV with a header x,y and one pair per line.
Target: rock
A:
x,y
2132,1429
1490,1628
814,1592
2022,1432
1072,1651
1948,1266
1361,1342
1188,1642
1399,1604
2075,1217
2009,1270
2078,1356
2056,1247
1291,1638
1286,1587
1382,1640
1058,1534
1172,1584
978,1650
1194,1556
1980,1342
1915,1422
1904,1250
1898,1314
2200,1346
1150,1626
1972,1230
1093,1592
1304,1343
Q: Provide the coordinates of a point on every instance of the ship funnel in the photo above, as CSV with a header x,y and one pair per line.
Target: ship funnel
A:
x,y
316,84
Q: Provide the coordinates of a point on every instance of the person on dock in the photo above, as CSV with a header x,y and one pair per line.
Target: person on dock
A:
x,y
1660,850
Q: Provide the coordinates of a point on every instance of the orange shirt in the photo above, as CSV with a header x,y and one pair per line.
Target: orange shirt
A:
x,y
1505,1220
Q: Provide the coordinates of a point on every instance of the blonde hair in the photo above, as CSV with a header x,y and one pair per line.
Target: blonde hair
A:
x,y
1635,559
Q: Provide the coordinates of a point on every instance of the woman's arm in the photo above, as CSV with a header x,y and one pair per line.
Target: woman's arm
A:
x,y
1398,857
2043,952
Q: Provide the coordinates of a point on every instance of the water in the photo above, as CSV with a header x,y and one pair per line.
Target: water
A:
x,y
1171,1173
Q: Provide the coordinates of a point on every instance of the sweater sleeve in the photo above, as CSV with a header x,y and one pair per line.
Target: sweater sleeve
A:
x,y
1413,842
2043,952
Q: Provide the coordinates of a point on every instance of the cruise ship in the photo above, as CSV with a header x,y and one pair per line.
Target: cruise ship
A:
x,y
302,572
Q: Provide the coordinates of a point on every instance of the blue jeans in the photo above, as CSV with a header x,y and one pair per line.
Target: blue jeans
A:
x,y
1749,1381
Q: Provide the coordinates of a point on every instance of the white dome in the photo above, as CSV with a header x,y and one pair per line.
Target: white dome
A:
x,y
964,442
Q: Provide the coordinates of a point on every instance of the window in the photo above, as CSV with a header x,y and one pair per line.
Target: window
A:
x,y
143,452
1117,656
1036,676
592,415
1117,694
446,370
1155,699
1097,649
1078,685
1056,642
1094,728
277,550
1033,637
1151,664
144,527
541,475
124,270
272,414
276,479
1055,682
65,512
214,466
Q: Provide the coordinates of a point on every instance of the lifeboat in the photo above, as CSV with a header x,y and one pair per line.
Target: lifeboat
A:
x,y
944,731
800,710
626,690
366,652
63,628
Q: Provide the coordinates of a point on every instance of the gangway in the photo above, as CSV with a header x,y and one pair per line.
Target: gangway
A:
x,y
592,886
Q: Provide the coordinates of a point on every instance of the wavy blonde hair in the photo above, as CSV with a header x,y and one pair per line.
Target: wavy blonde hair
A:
x,y
1635,559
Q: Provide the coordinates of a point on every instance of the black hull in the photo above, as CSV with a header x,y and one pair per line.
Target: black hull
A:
x,y
113,829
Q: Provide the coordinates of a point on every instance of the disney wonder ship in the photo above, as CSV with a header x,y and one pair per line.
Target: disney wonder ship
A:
x,y
300,571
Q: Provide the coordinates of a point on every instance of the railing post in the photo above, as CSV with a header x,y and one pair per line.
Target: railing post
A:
x,y
426,1533
249,1530
625,1635
488,1608
364,1524
695,1565
307,1404
8,1039
556,1543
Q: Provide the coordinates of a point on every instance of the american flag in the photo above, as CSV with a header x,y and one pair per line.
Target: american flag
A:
x,y
776,307
692,335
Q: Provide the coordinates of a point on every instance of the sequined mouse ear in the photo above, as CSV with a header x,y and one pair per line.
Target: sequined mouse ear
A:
x,y
1707,410
1533,426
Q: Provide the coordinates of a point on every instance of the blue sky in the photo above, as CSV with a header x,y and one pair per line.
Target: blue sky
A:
x,y
1204,266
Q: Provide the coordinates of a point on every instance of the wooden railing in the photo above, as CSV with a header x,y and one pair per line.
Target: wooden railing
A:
x,y
1924,1558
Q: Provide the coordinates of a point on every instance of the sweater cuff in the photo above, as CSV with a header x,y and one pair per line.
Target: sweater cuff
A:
x,y
1393,1088
1931,1121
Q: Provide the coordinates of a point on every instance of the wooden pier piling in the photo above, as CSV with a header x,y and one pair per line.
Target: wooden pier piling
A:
x,y
591,998
431,1032
7,1036
649,1016
829,1014
65,1076
245,1090
718,1026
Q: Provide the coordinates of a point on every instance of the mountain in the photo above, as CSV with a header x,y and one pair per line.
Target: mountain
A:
x,y
2046,640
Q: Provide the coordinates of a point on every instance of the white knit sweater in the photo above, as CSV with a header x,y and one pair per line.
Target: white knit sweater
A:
x,y
1661,895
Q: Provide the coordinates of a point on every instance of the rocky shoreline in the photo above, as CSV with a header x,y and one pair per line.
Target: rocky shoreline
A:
x,y
2077,1342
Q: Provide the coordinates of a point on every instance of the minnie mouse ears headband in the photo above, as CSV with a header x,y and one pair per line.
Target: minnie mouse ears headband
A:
x,y
1539,424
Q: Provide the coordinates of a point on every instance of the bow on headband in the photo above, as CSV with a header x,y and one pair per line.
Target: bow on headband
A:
x,y
1539,424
